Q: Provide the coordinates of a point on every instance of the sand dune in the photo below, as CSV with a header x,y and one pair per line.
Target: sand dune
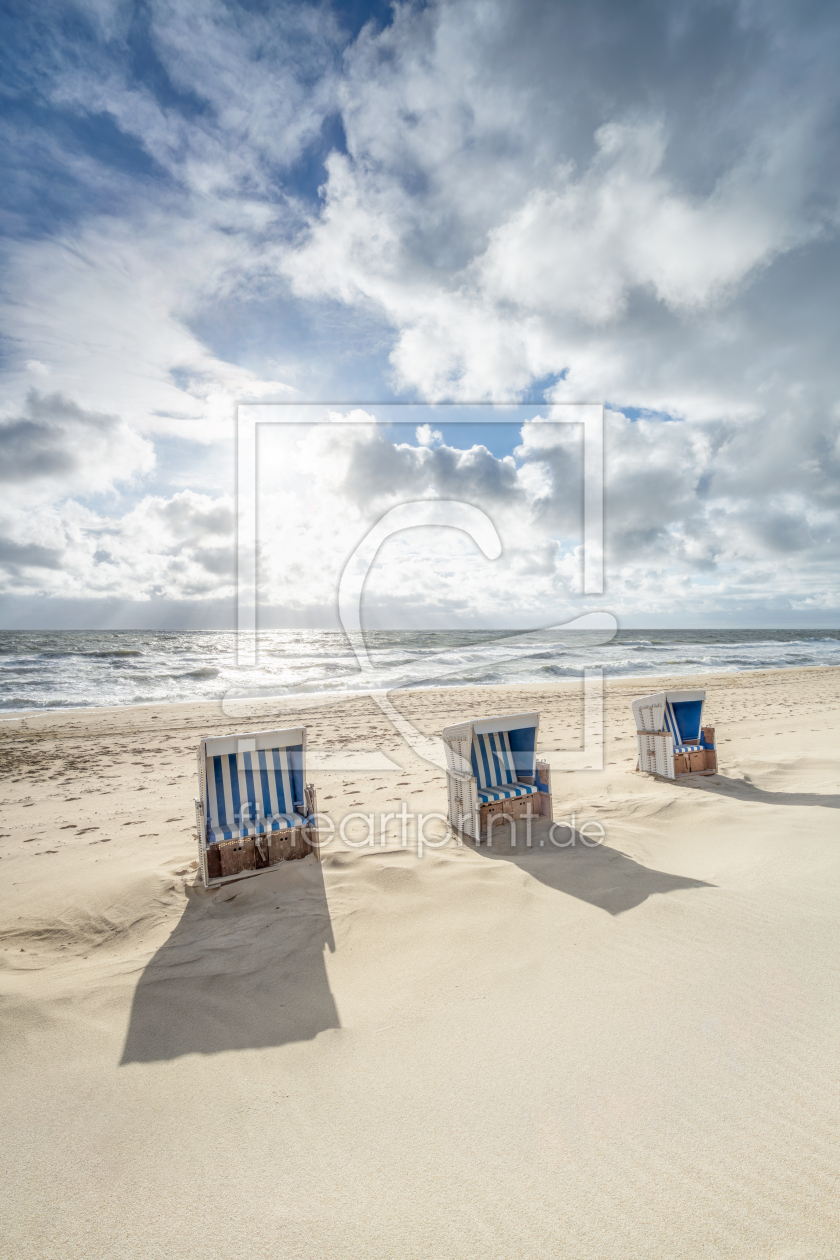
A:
x,y
626,1050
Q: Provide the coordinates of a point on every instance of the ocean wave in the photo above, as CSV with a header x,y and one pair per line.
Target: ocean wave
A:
x,y
76,669
486,679
21,703
120,652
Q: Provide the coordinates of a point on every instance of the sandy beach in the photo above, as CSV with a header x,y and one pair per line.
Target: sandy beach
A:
x,y
624,1050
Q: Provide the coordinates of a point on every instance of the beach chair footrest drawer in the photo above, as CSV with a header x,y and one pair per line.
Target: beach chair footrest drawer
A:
x,y
515,807
236,857
239,857
703,762
289,844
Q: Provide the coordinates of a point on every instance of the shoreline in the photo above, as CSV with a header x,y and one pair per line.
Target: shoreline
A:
x,y
302,701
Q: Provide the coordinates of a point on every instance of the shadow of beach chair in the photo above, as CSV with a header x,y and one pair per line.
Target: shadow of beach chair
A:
x,y
254,807
493,771
671,736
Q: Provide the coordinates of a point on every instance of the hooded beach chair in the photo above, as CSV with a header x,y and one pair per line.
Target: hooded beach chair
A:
x,y
254,807
671,736
492,769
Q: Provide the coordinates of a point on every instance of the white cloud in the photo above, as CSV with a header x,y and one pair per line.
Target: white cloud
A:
x,y
358,470
53,446
498,260
606,199
177,548
427,436
108,317
690,518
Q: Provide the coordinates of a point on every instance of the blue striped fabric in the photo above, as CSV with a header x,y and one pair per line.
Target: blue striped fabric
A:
x,y
250,793
487,796
279,823
492,760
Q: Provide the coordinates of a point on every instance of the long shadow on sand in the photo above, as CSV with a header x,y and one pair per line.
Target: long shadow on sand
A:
x,y
743,790
244,968
605,877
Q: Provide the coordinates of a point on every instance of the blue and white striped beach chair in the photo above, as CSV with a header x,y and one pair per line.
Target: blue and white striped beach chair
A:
x,y
255,807
671,736
492,768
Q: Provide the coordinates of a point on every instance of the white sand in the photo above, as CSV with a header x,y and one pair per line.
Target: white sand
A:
x,y
624,1051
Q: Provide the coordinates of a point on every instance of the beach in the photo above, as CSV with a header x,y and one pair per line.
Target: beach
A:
x,y
624,1049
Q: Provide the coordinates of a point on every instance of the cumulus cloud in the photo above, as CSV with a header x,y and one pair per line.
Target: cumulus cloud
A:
x,y
362,472
502,251
687,510
54,443
600,202
427,436
690,515
176,548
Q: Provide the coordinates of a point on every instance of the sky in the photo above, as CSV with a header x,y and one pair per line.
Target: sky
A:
x,y
209,203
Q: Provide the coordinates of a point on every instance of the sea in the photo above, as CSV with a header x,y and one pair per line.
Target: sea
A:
x,y
42,670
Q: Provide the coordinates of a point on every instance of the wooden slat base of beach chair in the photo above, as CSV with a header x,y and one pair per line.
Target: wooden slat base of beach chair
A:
x,y
237,857
516,808
214,862
542,805
286,845
695,763
546,808
703,762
